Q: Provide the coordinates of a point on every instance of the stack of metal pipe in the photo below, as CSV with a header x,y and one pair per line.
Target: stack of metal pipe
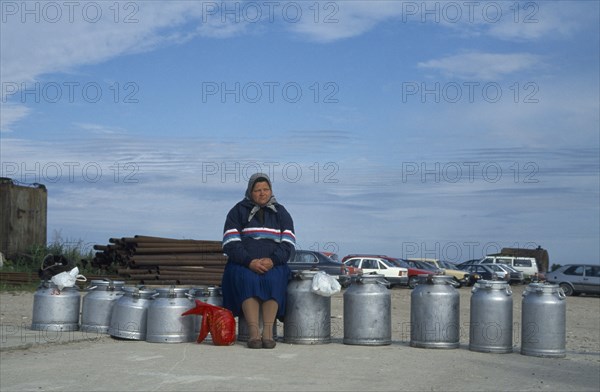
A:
x,y
163,261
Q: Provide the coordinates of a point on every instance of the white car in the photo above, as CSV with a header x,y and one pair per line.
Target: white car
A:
x,y
575,279
394,274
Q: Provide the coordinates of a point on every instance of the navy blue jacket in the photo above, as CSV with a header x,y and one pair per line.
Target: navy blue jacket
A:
x,y
272,237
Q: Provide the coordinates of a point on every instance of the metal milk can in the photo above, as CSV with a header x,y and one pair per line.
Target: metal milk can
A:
x,y
165,324
543,321
210,294
368,312
434,313
54,309
308,315
97,304
129,313
491,321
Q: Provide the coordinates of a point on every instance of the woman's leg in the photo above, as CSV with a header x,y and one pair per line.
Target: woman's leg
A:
x,y
269,312
250,307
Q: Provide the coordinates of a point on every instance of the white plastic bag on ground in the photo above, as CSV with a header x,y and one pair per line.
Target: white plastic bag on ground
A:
x,y
68,279
324,284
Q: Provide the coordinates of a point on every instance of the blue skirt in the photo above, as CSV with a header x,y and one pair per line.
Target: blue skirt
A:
x,y
240,283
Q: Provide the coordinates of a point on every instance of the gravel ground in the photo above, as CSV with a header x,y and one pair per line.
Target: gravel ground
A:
x,y
102,363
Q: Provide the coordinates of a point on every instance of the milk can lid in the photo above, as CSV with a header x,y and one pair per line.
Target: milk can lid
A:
x,y
542,288
490,284
436,279
371,278
306,274
106,283
138,291
206,291
172,291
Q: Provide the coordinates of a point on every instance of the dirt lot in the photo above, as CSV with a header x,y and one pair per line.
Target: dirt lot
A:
x,y
583,316
110,364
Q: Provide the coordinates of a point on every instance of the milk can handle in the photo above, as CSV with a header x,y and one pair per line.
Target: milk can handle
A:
x,y
111,284
383,283
561,293
508,290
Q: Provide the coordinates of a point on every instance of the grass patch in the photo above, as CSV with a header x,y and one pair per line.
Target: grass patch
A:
x,y
30,262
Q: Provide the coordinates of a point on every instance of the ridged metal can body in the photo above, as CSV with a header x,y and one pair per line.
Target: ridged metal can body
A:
x,y
434,313
165,324
97,304
368,312
308,315
491,322
129,313
543,321
210,294
54,309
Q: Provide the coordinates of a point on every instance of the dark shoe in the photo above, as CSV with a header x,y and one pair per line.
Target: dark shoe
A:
x,y
255,343
268,343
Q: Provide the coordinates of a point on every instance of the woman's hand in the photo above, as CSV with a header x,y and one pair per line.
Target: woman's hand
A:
x,y
260,266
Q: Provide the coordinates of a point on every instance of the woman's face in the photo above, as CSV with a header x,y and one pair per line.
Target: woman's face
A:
x,y
261,193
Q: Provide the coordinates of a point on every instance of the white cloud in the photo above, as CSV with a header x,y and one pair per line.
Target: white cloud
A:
x,y
330,21
10,114
32,48
547,19
483,66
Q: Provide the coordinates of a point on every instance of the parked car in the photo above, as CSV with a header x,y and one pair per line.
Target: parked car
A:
x,y
461,277
332,255
382,265
500,272
482,271
514,276
576,279
424,266
414,272
527,265
312,260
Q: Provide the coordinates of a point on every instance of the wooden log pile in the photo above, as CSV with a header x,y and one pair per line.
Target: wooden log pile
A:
x,y
162,261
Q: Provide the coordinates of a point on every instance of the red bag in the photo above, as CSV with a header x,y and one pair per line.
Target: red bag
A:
x,y
216,320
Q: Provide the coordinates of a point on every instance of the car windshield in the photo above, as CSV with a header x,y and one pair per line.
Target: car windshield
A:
x,y
423,265
402,263
506,267
447,265
496,267
388,263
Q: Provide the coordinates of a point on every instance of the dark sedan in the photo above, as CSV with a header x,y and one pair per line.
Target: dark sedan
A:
x,y
423,266
317,261
482,270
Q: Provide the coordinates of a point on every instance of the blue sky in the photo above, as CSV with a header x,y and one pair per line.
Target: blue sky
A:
x,y
413,129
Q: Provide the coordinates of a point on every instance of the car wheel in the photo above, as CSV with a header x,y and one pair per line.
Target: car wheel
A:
x,y
413,281
457,283
568,290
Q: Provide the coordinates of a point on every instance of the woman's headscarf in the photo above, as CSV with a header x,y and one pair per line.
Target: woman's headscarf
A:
x,y
259,177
